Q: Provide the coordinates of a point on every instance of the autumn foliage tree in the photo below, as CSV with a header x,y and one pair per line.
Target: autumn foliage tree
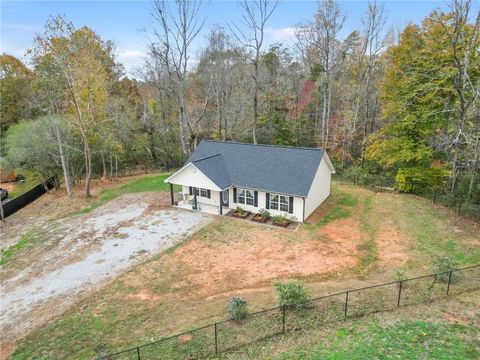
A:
x,y
80,67
425,114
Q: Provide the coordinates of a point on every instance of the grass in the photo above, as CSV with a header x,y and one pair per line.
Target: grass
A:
x,y
26,240
144,184
369,225
412,332
402,340
32,179
110,321
343,203
436,232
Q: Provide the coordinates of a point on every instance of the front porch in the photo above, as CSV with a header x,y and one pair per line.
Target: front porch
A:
x,y
205,200
207,208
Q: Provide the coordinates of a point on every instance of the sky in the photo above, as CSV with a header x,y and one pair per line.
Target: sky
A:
x,y
127,23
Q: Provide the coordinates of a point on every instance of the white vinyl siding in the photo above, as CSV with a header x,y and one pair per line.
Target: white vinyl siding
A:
x,y
320,189
297,205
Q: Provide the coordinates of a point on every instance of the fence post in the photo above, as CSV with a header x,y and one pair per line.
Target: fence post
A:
x,y
399,292
346,304
138,352
459,207
435,197
216,338
283,319
449,280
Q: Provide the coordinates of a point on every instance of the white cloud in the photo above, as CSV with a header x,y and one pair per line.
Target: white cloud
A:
x,y
131,59
284,35
131,54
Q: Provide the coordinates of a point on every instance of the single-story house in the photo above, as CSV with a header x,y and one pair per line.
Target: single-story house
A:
x,y
284,180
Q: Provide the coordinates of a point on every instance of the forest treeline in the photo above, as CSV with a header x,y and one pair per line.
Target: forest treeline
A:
x,y
400,105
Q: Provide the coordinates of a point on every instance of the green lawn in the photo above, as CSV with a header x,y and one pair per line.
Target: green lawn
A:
x,y
148,183
32,179
402,340
25,240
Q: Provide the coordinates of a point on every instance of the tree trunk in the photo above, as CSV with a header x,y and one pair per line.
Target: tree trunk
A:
x,y
182,122
111,167
475,168
324,117
63,161
88,166
329,96
104,164
255,100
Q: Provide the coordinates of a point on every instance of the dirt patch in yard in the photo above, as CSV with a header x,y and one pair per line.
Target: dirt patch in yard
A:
x,y
144,295
252,263
392,245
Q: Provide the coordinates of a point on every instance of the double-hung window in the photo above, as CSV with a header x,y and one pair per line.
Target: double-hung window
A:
x,y
279,202
200,192
245,197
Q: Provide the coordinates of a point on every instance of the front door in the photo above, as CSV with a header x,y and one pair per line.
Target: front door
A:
x,y
225,198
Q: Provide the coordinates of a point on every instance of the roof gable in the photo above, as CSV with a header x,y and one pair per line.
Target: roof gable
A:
x,y
191,175
279,169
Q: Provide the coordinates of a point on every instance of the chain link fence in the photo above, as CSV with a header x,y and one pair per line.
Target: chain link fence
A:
x,y
438,196
230,334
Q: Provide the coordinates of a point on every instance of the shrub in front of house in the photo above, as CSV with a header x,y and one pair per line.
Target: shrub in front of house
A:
x,y
281,220
241,213
237,309
262,216
441,267
265,214
291,294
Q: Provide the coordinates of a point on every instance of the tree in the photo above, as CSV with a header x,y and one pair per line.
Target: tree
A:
x,y
177,23
216,70
34,145
15,91
318,41
462,41
80,65
424,104
250,33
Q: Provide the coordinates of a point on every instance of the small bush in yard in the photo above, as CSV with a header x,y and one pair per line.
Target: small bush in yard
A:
x,y
442,265
291,294
237,308
400,275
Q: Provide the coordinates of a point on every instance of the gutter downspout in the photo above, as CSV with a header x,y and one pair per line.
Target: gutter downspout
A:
x,y
303,216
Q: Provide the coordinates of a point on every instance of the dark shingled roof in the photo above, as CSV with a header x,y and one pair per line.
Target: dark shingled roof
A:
x,y
278,169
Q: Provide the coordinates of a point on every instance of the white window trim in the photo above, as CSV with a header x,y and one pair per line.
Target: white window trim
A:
x,y
279,203
198,191
245,196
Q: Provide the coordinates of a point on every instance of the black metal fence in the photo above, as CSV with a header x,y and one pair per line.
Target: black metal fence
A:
x,y
230,334
23,200
438,196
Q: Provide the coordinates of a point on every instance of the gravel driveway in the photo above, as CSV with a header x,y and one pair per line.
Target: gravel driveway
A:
x,y
91,250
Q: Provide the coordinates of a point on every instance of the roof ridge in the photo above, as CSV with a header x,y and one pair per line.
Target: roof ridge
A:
x,y
207,157
264,145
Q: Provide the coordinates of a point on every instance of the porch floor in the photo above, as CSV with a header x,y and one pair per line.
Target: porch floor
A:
x,y
210,209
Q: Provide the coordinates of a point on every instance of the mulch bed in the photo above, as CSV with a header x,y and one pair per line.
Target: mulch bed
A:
x,y
292,226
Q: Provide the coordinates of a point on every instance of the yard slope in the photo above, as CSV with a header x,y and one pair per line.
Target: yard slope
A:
x,y
357,238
